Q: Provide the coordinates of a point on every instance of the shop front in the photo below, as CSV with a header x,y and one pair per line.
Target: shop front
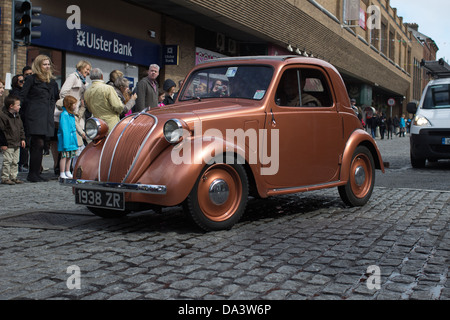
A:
x,y
103,49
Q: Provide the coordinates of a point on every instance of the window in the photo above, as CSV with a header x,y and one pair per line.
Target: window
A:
x,y
437,97
303,88
234,81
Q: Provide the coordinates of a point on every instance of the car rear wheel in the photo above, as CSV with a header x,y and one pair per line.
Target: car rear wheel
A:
x,y
218,198
358,190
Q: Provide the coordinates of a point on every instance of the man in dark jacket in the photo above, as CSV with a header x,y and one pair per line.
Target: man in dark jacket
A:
x,y
147,90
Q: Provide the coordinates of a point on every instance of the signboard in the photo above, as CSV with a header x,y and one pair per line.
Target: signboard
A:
x,y
202,55
96,42
362,19
391,102
171,55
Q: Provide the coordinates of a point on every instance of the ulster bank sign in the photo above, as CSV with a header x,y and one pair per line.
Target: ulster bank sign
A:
x,y
96,42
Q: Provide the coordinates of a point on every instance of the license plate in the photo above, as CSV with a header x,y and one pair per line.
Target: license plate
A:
x,y
446,141
100,199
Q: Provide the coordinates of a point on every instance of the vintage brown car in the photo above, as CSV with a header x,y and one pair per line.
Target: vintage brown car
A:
x,y
246,126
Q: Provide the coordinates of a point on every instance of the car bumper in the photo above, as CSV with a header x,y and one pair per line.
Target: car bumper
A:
x,y
429,145
110,186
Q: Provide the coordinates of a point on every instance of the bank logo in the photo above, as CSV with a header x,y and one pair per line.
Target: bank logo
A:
x,y
81,38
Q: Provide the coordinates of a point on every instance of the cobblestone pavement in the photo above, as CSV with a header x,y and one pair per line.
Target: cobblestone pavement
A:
x,y
296,247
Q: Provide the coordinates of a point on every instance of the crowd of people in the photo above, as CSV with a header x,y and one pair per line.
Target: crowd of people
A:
x,y
376,122
38,116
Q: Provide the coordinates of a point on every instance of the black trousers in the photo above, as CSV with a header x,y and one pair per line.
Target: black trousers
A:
x,y
36,153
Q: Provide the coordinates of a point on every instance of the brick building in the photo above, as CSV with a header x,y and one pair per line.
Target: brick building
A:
x,y
377,54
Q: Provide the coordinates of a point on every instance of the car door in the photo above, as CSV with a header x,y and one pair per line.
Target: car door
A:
x,y
302,118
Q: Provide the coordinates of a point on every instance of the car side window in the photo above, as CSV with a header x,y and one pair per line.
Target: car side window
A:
x,y
303,88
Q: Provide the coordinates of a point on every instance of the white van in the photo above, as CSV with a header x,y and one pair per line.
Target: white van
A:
x,y
430,128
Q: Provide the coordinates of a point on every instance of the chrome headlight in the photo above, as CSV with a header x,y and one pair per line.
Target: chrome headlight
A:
x,y
95,128
174,130
421,121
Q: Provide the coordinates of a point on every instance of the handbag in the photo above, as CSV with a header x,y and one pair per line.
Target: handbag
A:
x,y
58,109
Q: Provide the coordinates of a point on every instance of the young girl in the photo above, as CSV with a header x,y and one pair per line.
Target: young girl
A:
x,y
161,97
67,136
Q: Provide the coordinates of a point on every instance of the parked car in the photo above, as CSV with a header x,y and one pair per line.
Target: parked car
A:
x,y
430,129
258,126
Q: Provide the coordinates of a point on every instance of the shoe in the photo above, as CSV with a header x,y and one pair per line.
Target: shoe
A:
x,y
17,181
8,182
36,179
62,175
33,179
69,175
23,169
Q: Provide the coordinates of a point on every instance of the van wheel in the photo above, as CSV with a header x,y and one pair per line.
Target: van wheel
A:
x,y
359,187
218,198
417,163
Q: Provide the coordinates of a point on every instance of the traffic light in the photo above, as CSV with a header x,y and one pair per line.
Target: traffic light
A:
x,y
22,21
23,13
35,22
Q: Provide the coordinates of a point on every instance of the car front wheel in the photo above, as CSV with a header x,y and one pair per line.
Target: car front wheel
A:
x,y
358,190
219,197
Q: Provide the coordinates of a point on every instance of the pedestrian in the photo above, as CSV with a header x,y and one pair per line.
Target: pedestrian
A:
x,y
147,90
25,152
374,125
67,136
113,76
102,100
161,97
122,87
38,96
390,127
27,71
16,85
2,91
382,122
12,139
396,123
402,126
169,89
75,86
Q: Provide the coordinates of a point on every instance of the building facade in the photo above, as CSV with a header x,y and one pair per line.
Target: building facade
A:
x,y
377,54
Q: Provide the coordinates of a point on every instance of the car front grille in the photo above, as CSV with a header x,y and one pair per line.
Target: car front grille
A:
x,y
123,147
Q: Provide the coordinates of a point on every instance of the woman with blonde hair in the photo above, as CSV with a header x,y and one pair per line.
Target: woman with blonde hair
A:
x,y
75,86
38,96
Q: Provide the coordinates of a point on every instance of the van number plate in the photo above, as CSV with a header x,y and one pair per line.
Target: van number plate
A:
x,y
100,199
446,141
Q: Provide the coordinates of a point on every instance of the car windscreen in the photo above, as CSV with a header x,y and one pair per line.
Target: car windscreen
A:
x,y
233,81
437,97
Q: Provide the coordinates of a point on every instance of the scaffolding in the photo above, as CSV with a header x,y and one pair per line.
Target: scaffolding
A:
x,y
437,69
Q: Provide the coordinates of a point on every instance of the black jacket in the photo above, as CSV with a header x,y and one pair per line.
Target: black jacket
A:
x,y
38,103
11,128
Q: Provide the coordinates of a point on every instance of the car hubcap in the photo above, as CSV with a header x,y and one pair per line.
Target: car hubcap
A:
x,y
360,176
219,192
361,180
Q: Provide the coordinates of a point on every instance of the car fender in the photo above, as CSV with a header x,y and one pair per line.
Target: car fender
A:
x,y
357,138
87,163
179,171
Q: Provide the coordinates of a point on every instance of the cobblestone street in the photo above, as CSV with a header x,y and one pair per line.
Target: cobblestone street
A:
x,y
296,247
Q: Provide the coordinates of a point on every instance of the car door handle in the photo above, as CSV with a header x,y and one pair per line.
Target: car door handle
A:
x,y
274,122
